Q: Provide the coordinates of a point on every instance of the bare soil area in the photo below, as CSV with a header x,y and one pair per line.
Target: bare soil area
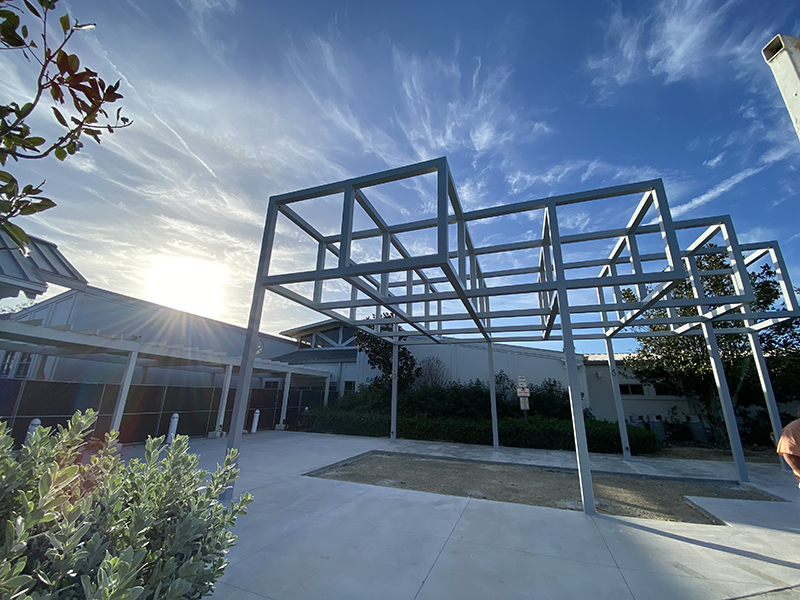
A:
x,y
759,454
644,497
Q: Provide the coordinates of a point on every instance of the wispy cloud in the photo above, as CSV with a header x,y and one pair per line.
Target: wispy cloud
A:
x,y
199,11
185,145
439,117
714,162
757,234
596,171
675,41
715,192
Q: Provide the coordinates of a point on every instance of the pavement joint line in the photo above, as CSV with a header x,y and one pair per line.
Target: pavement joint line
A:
x,y
245,590
539,554
759,594
444,545
611,554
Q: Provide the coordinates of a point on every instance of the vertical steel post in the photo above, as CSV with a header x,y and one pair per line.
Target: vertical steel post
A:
x,y
124,388
623,428
326,392
251,338
576,406
766,387
223,399
493,396
285,403
728,413
782,55
395,361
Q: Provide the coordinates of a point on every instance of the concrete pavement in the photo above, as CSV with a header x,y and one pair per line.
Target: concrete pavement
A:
x,y
310,538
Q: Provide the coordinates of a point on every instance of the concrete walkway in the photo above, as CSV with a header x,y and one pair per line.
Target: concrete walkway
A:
x,y
310,538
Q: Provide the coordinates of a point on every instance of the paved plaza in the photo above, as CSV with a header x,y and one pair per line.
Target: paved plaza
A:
x,y
311,538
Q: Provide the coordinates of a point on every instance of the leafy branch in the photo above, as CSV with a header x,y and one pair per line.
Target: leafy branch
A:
x,y
80,102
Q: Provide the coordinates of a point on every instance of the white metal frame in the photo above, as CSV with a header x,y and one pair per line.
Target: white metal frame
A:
x,y
429,297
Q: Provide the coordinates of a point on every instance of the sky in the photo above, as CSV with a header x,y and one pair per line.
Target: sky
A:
x,y
234,101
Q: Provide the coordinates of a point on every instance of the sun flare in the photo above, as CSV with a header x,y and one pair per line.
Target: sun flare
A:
x,y
189,284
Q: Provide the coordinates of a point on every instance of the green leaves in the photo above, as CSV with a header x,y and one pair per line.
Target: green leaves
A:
x,y
105,529
18,236
80,93
64,20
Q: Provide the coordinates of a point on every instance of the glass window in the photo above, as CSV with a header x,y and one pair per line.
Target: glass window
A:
x,y
24,365
6,363
631,389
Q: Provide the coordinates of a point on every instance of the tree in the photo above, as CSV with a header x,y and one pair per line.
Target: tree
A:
x,y
432,373
80,101
681,365
379,356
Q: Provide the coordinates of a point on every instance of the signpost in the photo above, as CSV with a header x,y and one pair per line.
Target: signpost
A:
x,y
523,393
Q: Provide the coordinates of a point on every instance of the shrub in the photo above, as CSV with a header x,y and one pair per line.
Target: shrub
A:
x,y
461,400
107,530
538,432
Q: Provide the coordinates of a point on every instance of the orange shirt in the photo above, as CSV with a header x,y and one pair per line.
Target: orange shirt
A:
x,y
790,439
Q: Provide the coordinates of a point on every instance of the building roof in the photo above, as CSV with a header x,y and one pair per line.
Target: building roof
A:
x,y
30,274
319,355
296,332
140,305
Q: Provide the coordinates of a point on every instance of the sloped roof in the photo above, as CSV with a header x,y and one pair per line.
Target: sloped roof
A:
x,y
31,274
314,356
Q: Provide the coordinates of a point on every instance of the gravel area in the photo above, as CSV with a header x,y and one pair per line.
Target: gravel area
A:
x,y
644,497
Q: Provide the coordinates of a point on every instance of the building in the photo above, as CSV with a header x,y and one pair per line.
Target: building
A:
x,y
136,363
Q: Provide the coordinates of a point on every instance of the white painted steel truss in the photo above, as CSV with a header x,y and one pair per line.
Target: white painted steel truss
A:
x,y
558,285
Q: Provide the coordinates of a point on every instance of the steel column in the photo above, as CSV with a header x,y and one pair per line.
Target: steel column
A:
x,y
766,387
285,403
251,338
493,397
576,406
223,399
623,427
395,360
725,400
325,393
124,388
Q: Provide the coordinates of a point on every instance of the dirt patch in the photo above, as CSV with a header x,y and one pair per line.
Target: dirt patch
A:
x,y
756,454
644,497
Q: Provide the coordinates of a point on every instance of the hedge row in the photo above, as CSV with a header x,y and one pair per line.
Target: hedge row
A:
x,y
538,432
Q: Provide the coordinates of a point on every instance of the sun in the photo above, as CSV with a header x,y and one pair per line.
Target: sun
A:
x,y
189,284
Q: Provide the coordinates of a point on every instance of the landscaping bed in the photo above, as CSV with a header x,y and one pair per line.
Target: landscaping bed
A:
x,y
644,497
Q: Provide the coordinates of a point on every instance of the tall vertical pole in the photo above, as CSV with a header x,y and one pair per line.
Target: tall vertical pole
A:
x,y
124,388
728,413
493,396
623,428
223,399
395,360
327,390
251,338
766,386
285,402
576,406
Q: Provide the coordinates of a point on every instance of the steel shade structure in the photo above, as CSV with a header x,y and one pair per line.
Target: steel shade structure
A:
x,y
552,286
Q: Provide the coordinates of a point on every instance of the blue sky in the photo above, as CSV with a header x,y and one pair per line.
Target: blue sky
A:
x,y
234,101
